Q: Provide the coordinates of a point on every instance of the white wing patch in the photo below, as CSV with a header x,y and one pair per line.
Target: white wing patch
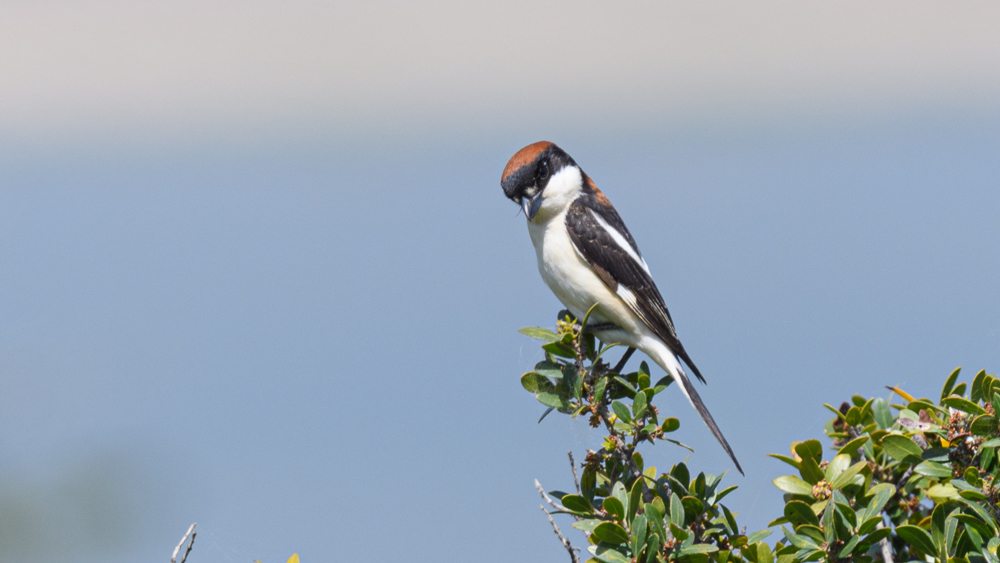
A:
x,y
627,296
621,241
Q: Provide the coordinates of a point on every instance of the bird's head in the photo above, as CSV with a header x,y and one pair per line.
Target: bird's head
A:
x,y
531,170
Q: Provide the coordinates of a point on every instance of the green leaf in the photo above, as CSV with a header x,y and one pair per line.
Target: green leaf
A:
x,y
698,548
917,537
976,392
559,349
932,469
984,425
901,448
621,411
878,535
938,517
572,382
758,535
539,333
963,405
609,555
942,493
680,533
639,405
829,529
794,485
638,533
670,425
810,448
812,532
981,512
882,414
869,524
789,460
810,471
677,514
577,503
586,318
836,411
882,493
799,541
536,383
845,478
552,400
972,495
837,466
621,494
611,533
549,369
643,383
587,526
950,383
849,547
764,554
599,388
692,506
730,520
653,546
614,507
799,512
851,448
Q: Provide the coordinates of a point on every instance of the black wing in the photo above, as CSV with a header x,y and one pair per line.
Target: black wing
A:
x,y
616,266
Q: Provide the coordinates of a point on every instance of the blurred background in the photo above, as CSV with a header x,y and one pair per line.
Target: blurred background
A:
x,y
257,271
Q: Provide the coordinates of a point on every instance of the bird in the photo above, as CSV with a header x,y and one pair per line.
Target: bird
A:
x,y
588,258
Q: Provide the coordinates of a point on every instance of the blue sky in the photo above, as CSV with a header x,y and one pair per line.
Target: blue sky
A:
x,y
258,280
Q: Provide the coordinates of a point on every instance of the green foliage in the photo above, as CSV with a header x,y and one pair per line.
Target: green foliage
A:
x,y
914,478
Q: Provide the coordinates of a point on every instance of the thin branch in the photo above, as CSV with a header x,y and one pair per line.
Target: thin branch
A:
x,y
569,547
572,465
621,363
884,545
548,499
190,533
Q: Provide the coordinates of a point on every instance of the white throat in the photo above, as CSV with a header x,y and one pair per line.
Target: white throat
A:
x,y
563,187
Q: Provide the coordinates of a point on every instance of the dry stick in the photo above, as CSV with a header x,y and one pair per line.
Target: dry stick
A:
x,y
569,547
190,533
884,544
621,363
548,499
572,465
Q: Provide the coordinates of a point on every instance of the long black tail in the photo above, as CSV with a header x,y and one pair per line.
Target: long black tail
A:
x,y
692,394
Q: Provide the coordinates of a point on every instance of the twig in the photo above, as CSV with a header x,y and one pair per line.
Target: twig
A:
x,y
190,533
548,499
621,363
884,545
572,465
569,547
903,479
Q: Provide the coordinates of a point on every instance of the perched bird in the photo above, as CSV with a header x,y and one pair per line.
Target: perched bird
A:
x,y
587,256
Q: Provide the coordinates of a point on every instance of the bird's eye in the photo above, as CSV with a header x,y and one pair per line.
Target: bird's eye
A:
x,y
543,171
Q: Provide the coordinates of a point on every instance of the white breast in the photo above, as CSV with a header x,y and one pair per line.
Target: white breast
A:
x,y
575,284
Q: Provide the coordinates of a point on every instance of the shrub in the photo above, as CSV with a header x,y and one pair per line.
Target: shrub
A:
x,y
910,481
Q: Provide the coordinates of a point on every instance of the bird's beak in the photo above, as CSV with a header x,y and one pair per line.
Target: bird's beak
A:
x,y
530,205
